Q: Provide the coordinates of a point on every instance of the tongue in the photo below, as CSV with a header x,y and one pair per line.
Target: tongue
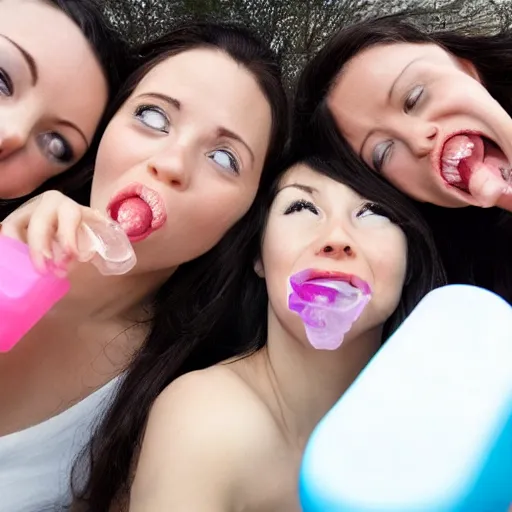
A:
x,y
465,169
135,216
459,146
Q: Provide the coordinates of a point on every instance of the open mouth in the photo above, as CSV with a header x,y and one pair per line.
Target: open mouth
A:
x,y
463,152
328,303
139,210
313,282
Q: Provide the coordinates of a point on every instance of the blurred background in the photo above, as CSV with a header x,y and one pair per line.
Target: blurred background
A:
x,y
297,28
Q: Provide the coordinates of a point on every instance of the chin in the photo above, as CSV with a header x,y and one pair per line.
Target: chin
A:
x,y
452,202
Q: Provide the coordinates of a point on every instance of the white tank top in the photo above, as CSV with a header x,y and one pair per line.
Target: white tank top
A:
x,y
35,463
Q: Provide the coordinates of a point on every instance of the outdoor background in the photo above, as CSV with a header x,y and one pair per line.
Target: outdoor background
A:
x,y
297,28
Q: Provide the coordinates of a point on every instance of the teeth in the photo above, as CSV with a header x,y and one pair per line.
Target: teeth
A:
x,y
506,174
450,164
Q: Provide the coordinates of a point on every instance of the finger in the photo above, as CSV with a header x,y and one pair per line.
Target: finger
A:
x,y
15,225
15,230
485,187
41,231
70,217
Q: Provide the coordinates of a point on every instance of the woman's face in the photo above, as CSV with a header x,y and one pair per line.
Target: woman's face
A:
x,y
318,223
187,149
52,95
409,109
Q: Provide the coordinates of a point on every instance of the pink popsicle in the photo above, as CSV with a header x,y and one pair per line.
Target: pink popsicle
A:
x,y
25,294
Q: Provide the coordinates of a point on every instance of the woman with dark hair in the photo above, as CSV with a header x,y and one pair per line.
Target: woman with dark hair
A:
x,y
60,62
431,114
230,437
199,128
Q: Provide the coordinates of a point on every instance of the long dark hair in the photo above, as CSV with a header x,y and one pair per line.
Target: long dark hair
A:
x,y
116,61
217,309
475,243
188,306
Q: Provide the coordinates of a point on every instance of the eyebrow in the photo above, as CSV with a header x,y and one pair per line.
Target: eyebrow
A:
x,y
32,66
173,102
69,124
224,132
397,79
390,93
305,188
31,63
221,132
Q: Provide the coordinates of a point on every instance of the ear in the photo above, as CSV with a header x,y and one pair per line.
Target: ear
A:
x,y
469,68
258,268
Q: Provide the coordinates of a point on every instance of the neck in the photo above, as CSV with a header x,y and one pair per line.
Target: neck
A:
x,y
308,382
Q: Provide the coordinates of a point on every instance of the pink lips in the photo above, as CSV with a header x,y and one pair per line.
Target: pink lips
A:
x,y
139,210
328,304
311,275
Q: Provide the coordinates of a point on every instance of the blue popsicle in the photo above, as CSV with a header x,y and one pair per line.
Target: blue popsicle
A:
x,y
427,426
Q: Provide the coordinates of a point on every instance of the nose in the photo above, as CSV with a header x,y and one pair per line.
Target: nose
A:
x,y
421,138
11,140
337,246
172,167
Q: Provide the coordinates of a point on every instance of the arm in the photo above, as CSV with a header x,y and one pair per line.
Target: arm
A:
x,y
190,453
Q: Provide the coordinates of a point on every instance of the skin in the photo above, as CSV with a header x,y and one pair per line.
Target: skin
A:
x,y
397,104
47,124
90,336
237,431
183,154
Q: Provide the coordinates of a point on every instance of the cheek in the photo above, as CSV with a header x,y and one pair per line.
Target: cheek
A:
x,y
210,215
97,103
348,124
119,150
458,94
281,257
408,175
389,267
87,112
23,173
282,248
220,205
17,177
402,167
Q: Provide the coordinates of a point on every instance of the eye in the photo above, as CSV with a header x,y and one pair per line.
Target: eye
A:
x,y
381,153
413,97
298,206
225,159
153,117
369,209
56,148
6,87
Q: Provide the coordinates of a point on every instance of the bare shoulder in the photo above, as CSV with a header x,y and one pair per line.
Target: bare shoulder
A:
x,y
217,399
201,432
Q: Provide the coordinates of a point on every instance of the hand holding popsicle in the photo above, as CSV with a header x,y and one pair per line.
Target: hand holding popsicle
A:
x,y
59,231
48,233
